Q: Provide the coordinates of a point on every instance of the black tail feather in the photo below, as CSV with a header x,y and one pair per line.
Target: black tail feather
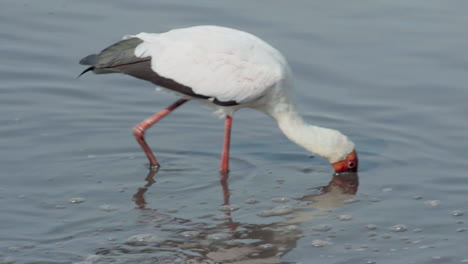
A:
x,y
85,71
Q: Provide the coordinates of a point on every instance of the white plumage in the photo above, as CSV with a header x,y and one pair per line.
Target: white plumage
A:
x,y
228,69
218,62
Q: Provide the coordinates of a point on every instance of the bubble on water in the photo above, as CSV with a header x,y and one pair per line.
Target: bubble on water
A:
x,y
221,217
457,213
387,189
77,200
228,207
386,236
251,201
13,249
219,236
344,217
108,207
280,199
322,228
91,156
172,210
370,261
143,238
362,248
351,200
158,219
375,200
432,203
399,228
418,197
190,234
371,227
266,246
291,228
461,229
372,234
464,261
111,239
321,243
417,230
279,210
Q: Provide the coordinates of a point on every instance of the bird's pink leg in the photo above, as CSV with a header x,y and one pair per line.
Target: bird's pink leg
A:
x,y
227,140
139,130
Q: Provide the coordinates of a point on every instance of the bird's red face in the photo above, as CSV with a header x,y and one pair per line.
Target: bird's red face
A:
x,y
349,164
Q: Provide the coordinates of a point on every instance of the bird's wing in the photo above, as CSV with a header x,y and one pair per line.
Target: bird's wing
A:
x,y
220,63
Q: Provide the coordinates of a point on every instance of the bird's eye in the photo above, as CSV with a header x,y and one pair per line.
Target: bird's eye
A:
x,y
351,164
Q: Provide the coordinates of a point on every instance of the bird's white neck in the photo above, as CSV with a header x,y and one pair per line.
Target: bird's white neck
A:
x,y
328,143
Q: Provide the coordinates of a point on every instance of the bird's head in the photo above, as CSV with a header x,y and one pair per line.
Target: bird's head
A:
x,y
349,164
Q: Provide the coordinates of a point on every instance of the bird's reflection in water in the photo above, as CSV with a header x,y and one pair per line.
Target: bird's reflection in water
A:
x,y
139,197
253,243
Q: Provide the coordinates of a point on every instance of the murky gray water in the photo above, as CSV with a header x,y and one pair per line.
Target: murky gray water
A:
x,y
390,74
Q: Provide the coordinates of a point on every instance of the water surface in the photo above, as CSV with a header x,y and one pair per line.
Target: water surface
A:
x,y
74,183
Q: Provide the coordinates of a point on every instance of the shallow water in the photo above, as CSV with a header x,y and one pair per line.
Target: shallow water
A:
x,y
74,185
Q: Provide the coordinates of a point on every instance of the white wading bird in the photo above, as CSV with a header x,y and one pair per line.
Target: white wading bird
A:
x,y
227,69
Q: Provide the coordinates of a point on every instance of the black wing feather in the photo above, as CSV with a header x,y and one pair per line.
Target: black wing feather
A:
x,y
120,58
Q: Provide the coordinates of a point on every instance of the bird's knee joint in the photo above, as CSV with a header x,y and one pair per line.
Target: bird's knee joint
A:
x,y
138,131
